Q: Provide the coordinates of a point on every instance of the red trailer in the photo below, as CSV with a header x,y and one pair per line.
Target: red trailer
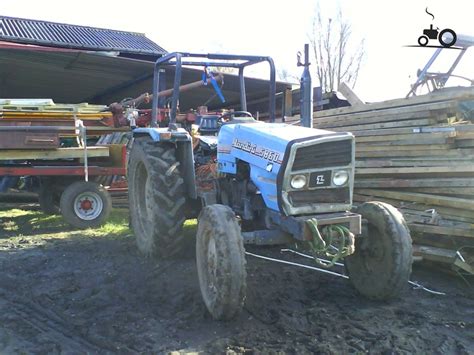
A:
x,y
68,176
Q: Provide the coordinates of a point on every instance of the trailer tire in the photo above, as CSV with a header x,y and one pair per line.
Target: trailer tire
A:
x,y
156,197
380,267
220,258
85,204
48,201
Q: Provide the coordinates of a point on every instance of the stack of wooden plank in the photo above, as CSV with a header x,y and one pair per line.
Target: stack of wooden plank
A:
x,y
418,154
44,112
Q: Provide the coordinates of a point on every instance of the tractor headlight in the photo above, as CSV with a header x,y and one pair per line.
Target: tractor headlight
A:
x,y
340,177
298,181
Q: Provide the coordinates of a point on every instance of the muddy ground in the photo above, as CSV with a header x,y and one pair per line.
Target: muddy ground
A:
x,y
79,292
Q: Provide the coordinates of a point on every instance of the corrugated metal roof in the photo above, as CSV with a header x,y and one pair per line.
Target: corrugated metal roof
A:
x,y
70,77
71,36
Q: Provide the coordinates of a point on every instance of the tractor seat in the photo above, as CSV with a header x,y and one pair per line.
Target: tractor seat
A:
x,y
208,124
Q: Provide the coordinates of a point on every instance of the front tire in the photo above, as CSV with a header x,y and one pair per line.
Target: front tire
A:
x,y
85,204
380,267
156,197
220,257
423,40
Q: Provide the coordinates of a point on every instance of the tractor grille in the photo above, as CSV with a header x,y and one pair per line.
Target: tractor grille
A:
x,y
338,153
334,195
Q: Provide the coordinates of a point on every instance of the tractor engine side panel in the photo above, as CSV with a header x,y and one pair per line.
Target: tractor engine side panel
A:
x,y
264,154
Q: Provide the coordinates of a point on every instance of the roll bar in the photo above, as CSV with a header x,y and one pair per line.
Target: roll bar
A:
x,y
180,59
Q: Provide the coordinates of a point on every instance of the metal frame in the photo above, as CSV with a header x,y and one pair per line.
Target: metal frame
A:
x,y
463,42
220,60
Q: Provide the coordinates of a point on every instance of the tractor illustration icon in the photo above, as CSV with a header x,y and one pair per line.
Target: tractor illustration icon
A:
x,y
446,37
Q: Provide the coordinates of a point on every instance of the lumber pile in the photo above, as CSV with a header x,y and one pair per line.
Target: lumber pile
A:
x,y
44,112
418,155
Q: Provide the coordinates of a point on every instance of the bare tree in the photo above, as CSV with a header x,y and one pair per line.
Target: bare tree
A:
x,y
337,59
285,75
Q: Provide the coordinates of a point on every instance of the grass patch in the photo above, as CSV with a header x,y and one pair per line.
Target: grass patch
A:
x,y
15,212
117,224
190,228
44,221
10,226
33,223
17,222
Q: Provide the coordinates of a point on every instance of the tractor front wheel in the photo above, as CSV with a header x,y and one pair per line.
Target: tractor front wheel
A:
x,y
220,261
423,40
381,264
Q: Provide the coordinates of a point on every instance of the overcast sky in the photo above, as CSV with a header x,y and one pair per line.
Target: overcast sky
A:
x,y
278,29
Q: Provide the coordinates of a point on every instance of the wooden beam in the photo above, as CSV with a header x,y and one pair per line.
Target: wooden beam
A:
x,y
421,170
375,148
389,151
451,231
349,94
401,183
424,137
442,255
386,125
384,163
445,191
375,117
52,154
417,130
434,200
465,94
435,254
454,214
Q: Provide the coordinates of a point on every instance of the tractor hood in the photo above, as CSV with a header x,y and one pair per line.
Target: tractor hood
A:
x,y
264,143
269,150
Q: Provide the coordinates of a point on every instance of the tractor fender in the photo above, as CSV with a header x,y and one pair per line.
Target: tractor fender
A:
x,y
184,151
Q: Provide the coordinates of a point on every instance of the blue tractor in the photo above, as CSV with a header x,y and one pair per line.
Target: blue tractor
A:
x,y
252,182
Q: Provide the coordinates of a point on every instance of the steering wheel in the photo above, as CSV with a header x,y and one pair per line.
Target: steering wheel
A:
x,y
235,115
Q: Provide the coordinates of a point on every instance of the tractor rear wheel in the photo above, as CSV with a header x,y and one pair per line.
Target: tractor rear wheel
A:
x,y
156,197
380,267
220,258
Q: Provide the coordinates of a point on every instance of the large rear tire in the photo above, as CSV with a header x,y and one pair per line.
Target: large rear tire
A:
x,y
381,265
220,257
156,197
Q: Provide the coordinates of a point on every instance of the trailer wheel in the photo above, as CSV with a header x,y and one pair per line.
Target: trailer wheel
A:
x,y
156,197
220,257
381,265
47,198
85,204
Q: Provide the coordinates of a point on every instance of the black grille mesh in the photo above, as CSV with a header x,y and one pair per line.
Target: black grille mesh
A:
x,y
333,195
323,155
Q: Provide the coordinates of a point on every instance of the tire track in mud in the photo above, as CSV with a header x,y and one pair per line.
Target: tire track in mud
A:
x,y
55,328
